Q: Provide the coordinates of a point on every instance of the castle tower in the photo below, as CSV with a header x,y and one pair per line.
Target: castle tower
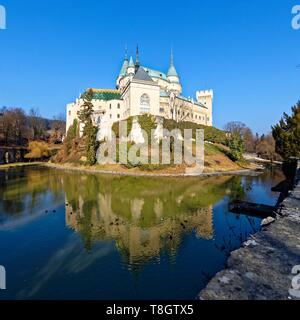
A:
x,y
137,61
131,67
123,71
173,77
206,97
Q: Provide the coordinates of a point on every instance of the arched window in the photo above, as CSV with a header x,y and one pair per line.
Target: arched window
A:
x,y
145,103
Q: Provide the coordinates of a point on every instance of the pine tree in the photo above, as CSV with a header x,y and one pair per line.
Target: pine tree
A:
x,y
86,110
89,131
237,146
287,134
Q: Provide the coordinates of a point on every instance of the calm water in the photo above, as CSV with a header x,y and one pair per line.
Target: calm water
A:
x,y
82,236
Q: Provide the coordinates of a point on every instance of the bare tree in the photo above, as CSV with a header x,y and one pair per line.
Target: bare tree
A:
x,y
13,126
58,129
179,111
20,130
249,140
37,124
266,148
256,141
6,124
235,127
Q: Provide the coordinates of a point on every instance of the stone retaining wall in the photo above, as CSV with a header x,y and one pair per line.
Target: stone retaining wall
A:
x,y
11,154
262,268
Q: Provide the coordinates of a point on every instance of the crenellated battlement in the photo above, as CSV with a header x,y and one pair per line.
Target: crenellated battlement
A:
x,y
205,93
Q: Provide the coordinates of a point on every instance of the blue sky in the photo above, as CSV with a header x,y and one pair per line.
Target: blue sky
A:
x,y
245,50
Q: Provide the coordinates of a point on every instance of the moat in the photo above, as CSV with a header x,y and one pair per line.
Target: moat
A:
x,y
69,235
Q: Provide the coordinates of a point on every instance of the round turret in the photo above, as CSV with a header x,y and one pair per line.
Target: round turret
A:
x,y
131,67
173,77
123,71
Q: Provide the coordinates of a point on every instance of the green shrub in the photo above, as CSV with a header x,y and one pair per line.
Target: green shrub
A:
x,y
147,123
211,134
237,147
116,127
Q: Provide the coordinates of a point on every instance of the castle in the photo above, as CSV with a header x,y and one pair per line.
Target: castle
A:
x,y
141,90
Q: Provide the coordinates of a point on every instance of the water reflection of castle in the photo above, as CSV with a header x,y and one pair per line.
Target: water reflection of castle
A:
x,y
138,242
144,216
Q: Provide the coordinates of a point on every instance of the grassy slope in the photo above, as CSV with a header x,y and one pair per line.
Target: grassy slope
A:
x,y
216,154
216,159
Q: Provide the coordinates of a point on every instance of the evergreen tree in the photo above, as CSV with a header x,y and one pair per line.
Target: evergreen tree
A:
x,y
287,134
72,134
237,146
89,131
236,139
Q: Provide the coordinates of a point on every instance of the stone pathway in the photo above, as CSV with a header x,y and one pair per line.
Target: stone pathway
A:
x,y
262,268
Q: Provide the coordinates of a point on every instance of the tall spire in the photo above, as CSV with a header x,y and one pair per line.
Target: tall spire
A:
x,y
131,64
172,58
131,67
126,52
125,64
172,71
137,61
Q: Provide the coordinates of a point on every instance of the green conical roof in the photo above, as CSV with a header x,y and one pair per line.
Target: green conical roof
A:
x,y
124,68
131,63
172,71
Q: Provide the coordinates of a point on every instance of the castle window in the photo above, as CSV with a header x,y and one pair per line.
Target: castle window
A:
x,y
69,113
145,104
110,106
118,116
119,106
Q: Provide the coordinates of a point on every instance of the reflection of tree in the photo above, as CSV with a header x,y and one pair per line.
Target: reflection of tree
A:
x,y
21,191
14,207
236,189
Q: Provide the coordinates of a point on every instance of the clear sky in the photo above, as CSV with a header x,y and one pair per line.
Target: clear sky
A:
x,y
245,50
